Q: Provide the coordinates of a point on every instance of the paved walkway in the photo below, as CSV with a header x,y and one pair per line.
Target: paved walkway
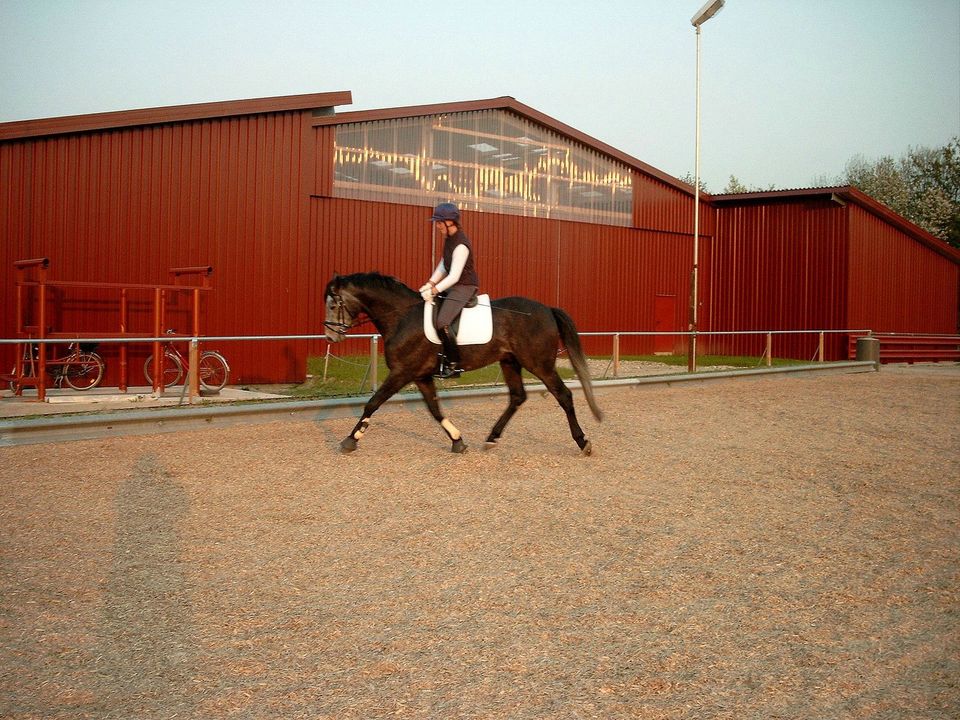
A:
x,y
64,401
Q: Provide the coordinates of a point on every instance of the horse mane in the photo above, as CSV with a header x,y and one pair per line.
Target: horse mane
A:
x,y
374,280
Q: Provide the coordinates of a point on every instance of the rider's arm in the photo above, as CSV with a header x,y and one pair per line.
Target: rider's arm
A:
x,y
457,263
429,288
438,274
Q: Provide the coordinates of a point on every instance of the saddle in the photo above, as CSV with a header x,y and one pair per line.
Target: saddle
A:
x,y
474,325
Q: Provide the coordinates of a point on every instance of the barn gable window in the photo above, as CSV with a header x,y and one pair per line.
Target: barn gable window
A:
x,y
492,161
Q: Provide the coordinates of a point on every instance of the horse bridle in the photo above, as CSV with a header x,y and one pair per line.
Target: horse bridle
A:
x,y
339,326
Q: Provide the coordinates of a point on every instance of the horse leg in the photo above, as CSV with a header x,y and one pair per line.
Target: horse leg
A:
x,y
563,395
429,391
518,395
390,386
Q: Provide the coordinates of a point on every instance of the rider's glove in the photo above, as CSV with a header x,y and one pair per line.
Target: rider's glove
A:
x,y
426,292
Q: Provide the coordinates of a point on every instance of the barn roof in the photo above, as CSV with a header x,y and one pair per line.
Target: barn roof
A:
x,y
175,113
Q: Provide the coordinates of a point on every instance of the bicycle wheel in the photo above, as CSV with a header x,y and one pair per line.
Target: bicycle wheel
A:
x,y
84,372
172,370
213,371
28,367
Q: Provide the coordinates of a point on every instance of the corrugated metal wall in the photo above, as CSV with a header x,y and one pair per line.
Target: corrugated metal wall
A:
x,y
126,205
897,284
657,206
776,266
817,264
610,279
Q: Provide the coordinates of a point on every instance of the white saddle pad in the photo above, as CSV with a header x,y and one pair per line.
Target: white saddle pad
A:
x,y
476,323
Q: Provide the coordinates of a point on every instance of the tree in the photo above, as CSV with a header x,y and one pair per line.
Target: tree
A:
x,y
689,180
923,186
735,187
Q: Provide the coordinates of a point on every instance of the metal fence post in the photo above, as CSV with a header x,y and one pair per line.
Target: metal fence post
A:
x,y
769,349
616,355
820,351
193,375
868,348
373,363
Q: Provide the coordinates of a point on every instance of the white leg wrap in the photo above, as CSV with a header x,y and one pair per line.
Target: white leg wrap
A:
x,y
450,428
364,424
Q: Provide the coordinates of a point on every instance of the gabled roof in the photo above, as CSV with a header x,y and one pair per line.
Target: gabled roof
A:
x,y
511,105
843,194
177,113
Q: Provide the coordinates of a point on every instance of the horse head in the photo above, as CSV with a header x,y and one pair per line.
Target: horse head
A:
x,y
380,297
342,309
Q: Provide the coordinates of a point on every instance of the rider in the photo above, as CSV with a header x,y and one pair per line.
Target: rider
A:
x,y
456,277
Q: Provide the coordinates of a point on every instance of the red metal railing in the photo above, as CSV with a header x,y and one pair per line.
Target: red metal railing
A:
x,y
40,330
904,347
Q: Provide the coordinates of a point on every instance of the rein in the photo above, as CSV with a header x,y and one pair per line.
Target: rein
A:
x,y
342,327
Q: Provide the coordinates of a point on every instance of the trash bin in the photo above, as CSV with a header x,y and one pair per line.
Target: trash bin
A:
x,y
868,349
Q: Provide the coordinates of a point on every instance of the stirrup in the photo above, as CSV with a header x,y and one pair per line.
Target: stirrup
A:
x,y
448,371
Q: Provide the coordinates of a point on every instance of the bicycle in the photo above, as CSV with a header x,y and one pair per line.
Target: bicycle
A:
x,y
81,368
212,368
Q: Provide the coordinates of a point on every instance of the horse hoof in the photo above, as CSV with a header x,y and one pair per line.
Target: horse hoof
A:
x,y
348,444
490,445
459,446
587,448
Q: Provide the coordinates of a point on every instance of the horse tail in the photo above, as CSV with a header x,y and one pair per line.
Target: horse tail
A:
x,y
570,338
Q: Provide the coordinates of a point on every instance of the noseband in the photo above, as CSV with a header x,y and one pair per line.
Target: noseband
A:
x,y
339,326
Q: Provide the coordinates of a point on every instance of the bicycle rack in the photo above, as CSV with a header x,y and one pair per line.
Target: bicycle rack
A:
x,y
39,302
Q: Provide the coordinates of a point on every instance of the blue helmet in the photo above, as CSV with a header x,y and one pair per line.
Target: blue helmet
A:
x,y
446,211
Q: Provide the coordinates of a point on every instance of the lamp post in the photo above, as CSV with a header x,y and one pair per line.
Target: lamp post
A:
x,y
711,8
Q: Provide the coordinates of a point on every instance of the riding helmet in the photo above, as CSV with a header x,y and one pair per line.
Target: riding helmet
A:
x,y
446,211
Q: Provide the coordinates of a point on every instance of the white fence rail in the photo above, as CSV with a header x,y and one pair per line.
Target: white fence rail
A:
x,y
374,338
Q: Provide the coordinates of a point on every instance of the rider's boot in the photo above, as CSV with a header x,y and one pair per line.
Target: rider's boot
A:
x,y
450,360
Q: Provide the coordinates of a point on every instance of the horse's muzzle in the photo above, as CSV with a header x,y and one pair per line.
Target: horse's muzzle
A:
x,y
335,332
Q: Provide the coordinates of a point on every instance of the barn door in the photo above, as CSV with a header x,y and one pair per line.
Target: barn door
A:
x,y
665,320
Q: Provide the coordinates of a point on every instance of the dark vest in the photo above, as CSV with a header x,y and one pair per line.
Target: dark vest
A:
x,y
469,274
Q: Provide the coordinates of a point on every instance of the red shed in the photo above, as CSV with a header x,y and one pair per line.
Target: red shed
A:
x,y
823,258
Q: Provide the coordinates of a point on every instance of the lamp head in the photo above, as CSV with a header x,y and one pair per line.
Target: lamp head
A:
x,y
711,8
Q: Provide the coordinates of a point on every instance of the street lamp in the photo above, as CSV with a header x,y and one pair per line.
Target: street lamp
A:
x,y
711,8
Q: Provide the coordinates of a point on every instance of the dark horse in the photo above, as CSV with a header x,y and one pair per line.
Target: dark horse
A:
x,y
526,334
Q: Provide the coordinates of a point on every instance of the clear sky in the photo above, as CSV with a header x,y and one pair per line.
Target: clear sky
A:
x,y
791,90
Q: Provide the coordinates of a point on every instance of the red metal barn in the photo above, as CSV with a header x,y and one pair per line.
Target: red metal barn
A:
x,y
823,259
277,194
123,197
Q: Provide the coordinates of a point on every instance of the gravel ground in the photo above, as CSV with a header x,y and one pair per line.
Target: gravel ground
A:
x,y
784,547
